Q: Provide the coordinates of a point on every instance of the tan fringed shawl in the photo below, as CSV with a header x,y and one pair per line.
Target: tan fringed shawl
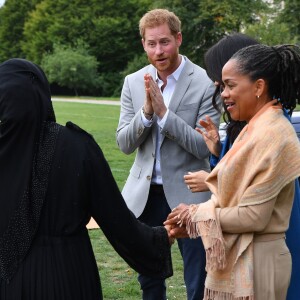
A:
x,y
264,159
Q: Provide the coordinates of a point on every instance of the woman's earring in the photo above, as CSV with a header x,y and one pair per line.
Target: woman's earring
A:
x,y
257,97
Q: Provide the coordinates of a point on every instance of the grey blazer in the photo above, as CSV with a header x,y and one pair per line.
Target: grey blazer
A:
x,y
183,148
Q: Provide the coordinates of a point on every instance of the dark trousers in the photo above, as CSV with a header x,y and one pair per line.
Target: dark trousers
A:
x,y
192,252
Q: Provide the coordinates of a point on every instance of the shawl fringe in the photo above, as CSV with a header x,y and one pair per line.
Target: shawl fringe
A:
x,y
211,294
263,172
215,251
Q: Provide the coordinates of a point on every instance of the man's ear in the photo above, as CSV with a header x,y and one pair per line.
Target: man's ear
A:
x,y
179,39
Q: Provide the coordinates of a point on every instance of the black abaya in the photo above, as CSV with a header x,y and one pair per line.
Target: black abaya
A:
x,y
60,263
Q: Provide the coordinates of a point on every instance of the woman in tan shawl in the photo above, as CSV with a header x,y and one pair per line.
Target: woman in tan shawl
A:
x,y
243,225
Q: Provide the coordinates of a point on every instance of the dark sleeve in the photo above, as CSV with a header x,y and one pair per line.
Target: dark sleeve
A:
x,y
225,146
144,248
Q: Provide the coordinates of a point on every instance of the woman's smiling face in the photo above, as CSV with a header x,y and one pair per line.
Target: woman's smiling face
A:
x,y
240,94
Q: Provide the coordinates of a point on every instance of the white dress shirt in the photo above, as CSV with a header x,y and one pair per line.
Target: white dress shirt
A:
x,y
167,95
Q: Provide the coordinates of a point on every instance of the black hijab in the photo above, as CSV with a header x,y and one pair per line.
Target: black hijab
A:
x,y
28,134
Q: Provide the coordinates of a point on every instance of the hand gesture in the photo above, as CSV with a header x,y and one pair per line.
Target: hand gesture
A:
x,y
195,181
177,221
210,135
148,103
153,94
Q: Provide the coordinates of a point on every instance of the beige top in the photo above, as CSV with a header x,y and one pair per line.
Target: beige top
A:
x,y
269,217
252,195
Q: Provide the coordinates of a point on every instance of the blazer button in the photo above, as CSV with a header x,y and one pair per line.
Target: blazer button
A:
x,y
148,177
140,131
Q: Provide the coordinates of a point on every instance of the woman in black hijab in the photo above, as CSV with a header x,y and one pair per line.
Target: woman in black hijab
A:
x,y
53,178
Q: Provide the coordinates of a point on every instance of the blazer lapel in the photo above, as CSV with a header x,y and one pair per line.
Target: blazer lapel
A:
x,y
182,85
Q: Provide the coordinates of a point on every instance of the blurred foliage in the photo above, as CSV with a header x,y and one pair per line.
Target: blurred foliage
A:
x,y
13,16
271,33
205,22
290,16
138,62
73,67
109,29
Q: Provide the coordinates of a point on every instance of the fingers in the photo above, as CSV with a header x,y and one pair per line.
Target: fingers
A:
x,y
199,130
187,178
179,232
147,82
147,87
172,218
173,215
189,184
203,123
205,134
175,231
151,87
190,178
155,92
208,124
194,188
208,119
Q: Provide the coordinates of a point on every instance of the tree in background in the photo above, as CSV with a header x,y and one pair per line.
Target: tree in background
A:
x,y
109,29
73,67
271,33
138,62
13,15
205,22
291,17
270,27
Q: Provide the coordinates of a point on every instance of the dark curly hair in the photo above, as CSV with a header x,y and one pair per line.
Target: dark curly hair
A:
x,y
278,65
215,58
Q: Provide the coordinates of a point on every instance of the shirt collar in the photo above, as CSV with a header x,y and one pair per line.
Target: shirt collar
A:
x,y
176,73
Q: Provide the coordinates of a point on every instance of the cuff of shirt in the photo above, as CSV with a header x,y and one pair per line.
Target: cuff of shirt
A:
x,y
161,122
146,122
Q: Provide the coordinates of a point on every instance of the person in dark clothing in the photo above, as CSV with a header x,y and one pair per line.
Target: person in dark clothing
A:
x,y
53,178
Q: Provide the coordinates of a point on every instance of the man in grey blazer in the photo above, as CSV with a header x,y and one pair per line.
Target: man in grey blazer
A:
x,y
161,105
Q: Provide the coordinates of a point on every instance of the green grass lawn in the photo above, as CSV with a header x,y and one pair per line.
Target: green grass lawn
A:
x,y
117,278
